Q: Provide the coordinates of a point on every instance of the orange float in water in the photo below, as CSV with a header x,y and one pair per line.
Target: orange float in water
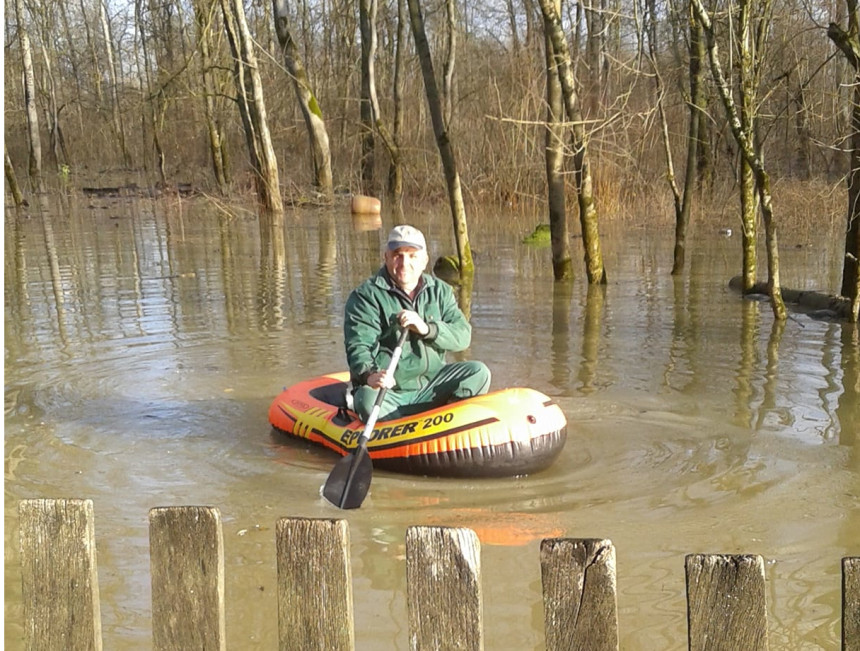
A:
x,y
364,205
509,432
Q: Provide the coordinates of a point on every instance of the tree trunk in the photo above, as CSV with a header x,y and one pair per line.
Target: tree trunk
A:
x,y
849,43
252,106
74,64
154,99
119,129
694,143
34,141
582,168
203,14
562,265
443,142
749,59
367,27
450,58
12,179
749,152
368,9
749,229
650,32
395,167
310,108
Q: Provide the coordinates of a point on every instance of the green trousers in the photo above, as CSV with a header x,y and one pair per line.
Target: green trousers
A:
x,y
453,382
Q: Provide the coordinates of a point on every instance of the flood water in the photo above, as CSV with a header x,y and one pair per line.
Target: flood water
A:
x,y
144,342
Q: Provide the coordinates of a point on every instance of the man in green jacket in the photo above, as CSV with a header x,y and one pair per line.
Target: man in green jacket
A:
x,y
400,295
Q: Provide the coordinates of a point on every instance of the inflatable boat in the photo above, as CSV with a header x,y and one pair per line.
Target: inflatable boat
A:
x,y
509,432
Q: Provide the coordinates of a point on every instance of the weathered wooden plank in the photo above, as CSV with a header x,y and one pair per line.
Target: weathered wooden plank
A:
x,y
851,603
443,588
726,606
59,576
579,594
314,585
186,550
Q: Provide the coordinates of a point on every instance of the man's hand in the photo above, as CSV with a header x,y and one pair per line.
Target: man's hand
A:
x,y
380,379
411,320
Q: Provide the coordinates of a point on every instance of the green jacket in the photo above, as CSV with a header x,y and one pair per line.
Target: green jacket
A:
x,y
371,332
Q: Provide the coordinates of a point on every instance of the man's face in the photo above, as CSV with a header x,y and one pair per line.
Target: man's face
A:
x,y
405,266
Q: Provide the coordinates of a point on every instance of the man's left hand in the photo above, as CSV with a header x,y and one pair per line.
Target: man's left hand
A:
x,y
411,320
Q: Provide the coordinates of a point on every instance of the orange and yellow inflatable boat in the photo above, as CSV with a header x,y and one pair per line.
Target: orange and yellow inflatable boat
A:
x,y
509,432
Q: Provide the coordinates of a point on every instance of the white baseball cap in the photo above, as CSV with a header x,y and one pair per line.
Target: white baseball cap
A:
x,y
405,235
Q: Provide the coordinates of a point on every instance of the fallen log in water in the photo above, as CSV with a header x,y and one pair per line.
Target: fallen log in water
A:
x,y
817,305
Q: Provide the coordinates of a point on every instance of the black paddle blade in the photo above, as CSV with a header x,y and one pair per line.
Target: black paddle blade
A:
x,y
349,480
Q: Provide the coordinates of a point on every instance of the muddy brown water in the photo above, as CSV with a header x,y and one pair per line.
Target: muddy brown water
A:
x,y
144,342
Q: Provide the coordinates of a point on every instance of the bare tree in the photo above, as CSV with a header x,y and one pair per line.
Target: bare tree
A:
x,y
582,169
204,15
750,154
443,142
562,265
849,44
155,99
113,71
34,141
682,197
395,167
375,123
310,108
367,26
252,106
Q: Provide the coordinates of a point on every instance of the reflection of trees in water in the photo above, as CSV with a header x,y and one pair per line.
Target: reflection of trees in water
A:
x,y
771,376
275,274
744,391
683,367
843,417
591,329
320,298
562,293
832,351
848,406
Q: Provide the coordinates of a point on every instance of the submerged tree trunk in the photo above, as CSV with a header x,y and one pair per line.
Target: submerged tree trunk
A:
x,y
443,142
749,152
252,106
750,54
588,216
562,265
310,108
683,205
849,43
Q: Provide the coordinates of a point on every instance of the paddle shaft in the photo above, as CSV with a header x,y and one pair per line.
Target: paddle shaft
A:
x,y
361,447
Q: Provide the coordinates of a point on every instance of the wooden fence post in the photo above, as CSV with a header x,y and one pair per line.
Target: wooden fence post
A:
x,y
579,594
59,577
186,551
443,588
314,585
851,604
726,605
